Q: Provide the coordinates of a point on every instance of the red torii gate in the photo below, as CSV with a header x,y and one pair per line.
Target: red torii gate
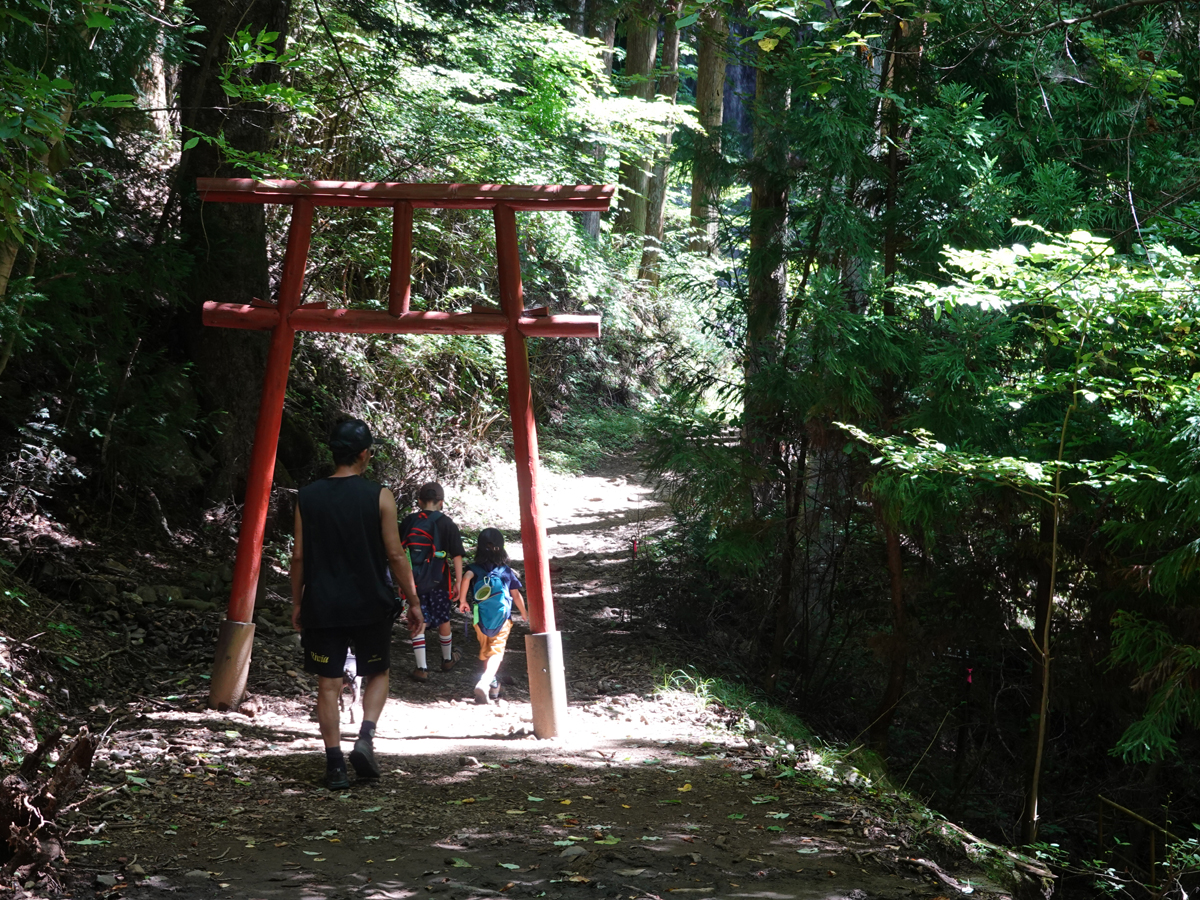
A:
x,y
547,687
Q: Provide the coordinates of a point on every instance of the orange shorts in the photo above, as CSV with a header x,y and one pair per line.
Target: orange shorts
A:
x,y
494,645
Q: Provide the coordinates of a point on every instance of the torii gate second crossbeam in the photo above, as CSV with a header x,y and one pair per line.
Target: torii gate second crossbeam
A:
x,y
547,686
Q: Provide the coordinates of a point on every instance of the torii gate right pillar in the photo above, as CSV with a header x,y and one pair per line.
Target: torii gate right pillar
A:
x,y
543,647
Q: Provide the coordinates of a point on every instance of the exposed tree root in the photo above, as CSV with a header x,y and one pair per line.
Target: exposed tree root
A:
x,y
29,806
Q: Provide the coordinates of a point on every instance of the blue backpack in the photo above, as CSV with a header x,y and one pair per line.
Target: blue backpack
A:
x,y
493,602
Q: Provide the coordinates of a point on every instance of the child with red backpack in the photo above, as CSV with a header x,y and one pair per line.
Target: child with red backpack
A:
x,y
431,538
497,588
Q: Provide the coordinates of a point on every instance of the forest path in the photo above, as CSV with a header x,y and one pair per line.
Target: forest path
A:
x,y
648,792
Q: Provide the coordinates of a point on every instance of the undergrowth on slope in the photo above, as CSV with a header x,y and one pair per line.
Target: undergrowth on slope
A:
x,y
756,713
583,438
799,757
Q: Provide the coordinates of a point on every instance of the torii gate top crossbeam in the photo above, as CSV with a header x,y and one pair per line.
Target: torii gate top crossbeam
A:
x,y
576,197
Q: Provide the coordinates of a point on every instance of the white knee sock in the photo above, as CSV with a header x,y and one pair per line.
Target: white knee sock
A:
x,y
447,641
419,650
489,672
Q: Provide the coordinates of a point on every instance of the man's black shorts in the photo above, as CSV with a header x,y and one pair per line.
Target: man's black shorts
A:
x,y
325,649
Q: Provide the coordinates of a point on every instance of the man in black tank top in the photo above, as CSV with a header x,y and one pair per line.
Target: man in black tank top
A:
x,y
347,542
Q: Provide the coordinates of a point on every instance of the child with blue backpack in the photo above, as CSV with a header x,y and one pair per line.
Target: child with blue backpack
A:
x,y
493,588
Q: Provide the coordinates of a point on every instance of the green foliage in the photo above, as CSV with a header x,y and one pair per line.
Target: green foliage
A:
x,y
1113,335
1168,671
65,71
990,311
585,437
991,292
501,99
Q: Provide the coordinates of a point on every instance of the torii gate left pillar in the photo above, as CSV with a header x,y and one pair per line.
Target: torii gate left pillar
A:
x,y
547,686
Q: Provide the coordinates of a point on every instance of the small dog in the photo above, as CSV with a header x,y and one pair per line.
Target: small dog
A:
x,y
351,686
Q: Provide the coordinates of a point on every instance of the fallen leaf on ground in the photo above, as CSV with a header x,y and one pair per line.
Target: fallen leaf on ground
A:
x,y
686,787
508,865
459,863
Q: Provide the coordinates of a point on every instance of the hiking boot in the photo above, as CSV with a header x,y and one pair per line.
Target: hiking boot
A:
x,y
362,757
449,664
336,778
495,690
481,696
421,675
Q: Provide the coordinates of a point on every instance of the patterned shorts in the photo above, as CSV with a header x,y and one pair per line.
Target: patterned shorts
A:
x,y
435,607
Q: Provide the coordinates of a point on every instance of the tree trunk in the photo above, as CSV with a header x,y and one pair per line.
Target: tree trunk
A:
x,y
227,240
656,199
599,22
10,340
766,273
8,259
794,487
710,107
577,17
899,74
897,645
1041,670
640,52
602,25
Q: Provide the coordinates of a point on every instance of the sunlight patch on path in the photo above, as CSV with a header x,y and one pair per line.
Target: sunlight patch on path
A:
x,y
598,513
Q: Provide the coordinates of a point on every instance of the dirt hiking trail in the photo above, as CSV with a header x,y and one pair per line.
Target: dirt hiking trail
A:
x,y
650,794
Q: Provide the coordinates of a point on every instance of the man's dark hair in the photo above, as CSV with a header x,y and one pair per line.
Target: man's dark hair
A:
x,y
431,493
348,439
489,549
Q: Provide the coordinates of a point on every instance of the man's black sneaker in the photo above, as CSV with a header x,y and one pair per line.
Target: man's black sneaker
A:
x,y
336,778
495,690
362,757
